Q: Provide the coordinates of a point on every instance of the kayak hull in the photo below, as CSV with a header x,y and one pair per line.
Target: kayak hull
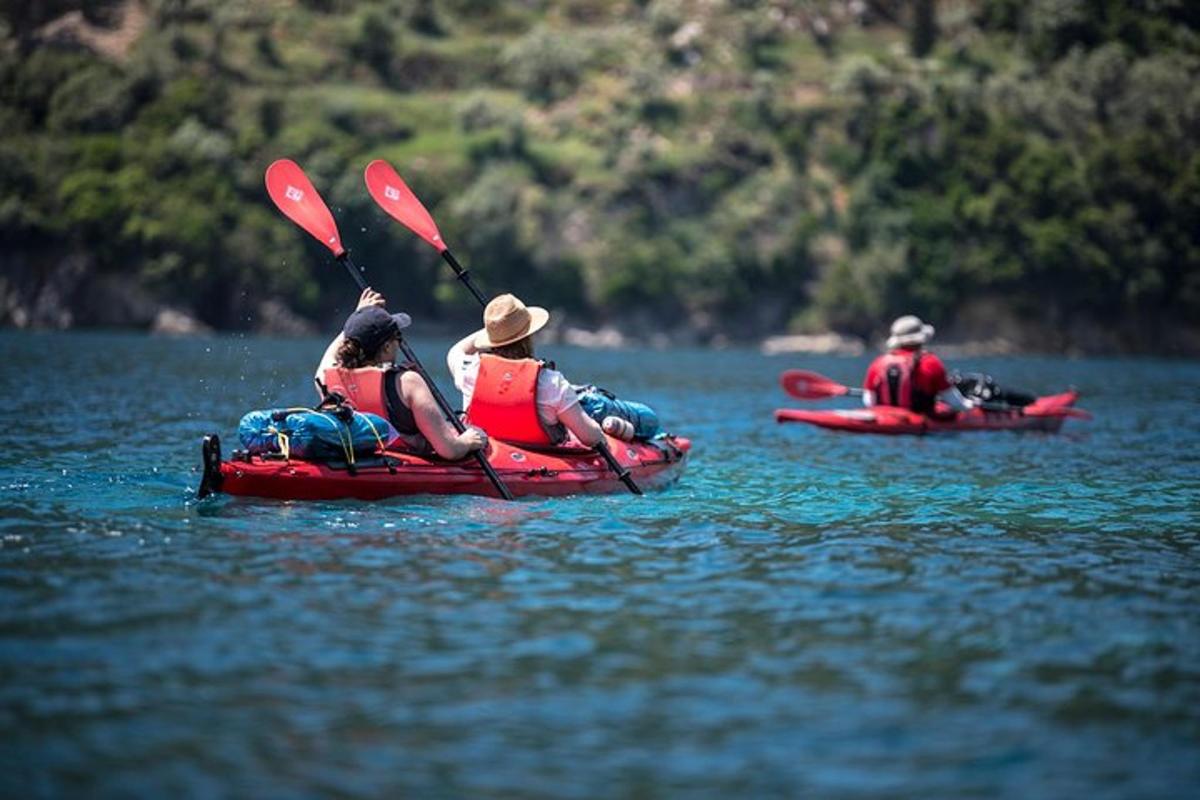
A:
x,y
547,473
1046,414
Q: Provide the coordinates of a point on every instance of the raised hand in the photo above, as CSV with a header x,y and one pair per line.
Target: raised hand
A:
x,y
370,297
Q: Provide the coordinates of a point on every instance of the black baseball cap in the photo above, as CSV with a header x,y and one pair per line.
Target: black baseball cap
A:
x,y
373,327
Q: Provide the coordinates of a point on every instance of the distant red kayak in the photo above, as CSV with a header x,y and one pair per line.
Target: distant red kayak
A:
x,y
549,472
1045,414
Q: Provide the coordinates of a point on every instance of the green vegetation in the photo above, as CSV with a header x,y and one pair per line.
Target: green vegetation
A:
x,y
732,168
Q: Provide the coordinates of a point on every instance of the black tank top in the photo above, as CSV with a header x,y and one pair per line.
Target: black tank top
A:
x,y
399,414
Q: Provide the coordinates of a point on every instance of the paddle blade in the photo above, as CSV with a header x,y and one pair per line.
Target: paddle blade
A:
x,y
810,385
294,195
1066,412
393,196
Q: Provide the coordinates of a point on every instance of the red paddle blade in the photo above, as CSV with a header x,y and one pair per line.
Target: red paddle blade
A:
x,y
1060,411
393,196
810,385
294,195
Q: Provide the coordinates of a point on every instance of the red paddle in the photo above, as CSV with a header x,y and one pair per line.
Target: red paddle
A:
x,y
1060,411
807,385
393,196
295,196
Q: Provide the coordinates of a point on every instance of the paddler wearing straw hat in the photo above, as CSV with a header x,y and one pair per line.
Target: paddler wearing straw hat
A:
x,y
515,397
909,376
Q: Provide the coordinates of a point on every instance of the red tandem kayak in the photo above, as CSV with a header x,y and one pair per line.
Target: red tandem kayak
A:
x,y
1045,414
549,472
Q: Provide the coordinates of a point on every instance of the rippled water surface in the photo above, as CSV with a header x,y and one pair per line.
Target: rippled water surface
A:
x,y
803,614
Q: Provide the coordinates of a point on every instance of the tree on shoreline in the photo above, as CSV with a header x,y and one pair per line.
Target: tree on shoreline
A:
x,y
659,160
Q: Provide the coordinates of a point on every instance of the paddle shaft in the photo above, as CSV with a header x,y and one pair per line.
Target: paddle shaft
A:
x,y
621,472
464,275
438,397
602,447
980,404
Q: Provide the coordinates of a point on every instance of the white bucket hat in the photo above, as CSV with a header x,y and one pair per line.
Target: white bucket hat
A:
x,y
909,331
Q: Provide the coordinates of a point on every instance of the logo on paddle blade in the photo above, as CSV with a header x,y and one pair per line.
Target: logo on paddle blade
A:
x,y
391,192
293,194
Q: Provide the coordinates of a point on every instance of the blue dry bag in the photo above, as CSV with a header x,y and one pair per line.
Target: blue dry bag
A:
x,y
599,403
314,435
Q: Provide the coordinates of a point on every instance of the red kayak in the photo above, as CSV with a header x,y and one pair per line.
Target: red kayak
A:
x,y
1045,414
549,472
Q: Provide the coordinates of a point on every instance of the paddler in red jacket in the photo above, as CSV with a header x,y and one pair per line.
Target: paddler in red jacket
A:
x,y
360,366
908,376
517,398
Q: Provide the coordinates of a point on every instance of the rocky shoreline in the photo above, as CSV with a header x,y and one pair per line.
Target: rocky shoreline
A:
x,y
64,292
71,295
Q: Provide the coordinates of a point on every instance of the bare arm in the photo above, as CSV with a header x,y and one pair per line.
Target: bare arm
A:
x,y
583,427
954,398
433,425
463,347
328,360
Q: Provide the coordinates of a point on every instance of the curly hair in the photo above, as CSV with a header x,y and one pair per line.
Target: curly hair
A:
x,y
350,355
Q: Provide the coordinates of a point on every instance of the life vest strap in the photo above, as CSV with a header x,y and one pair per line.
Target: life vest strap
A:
x,y
897,383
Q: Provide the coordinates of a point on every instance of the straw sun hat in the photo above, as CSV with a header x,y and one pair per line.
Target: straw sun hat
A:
x,y
506,320
909,331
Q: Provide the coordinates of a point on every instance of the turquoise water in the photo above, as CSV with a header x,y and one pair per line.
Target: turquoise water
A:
x,y
803,614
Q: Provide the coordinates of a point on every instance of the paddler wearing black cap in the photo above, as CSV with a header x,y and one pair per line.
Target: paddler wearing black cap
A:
x,y
359,365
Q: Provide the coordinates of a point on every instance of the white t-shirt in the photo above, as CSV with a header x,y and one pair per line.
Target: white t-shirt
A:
x,y
554,392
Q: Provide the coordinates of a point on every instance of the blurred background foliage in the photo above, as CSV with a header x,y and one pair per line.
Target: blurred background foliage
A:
x,y
710,169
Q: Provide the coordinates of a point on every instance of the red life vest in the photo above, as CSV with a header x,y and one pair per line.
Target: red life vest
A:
x,y
504,402
895,384
373,390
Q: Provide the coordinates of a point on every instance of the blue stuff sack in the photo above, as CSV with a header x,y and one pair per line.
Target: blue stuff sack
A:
x,y
599,403
314,435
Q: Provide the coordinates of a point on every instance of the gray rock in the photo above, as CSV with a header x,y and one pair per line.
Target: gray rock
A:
x,y
275,318
174,322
